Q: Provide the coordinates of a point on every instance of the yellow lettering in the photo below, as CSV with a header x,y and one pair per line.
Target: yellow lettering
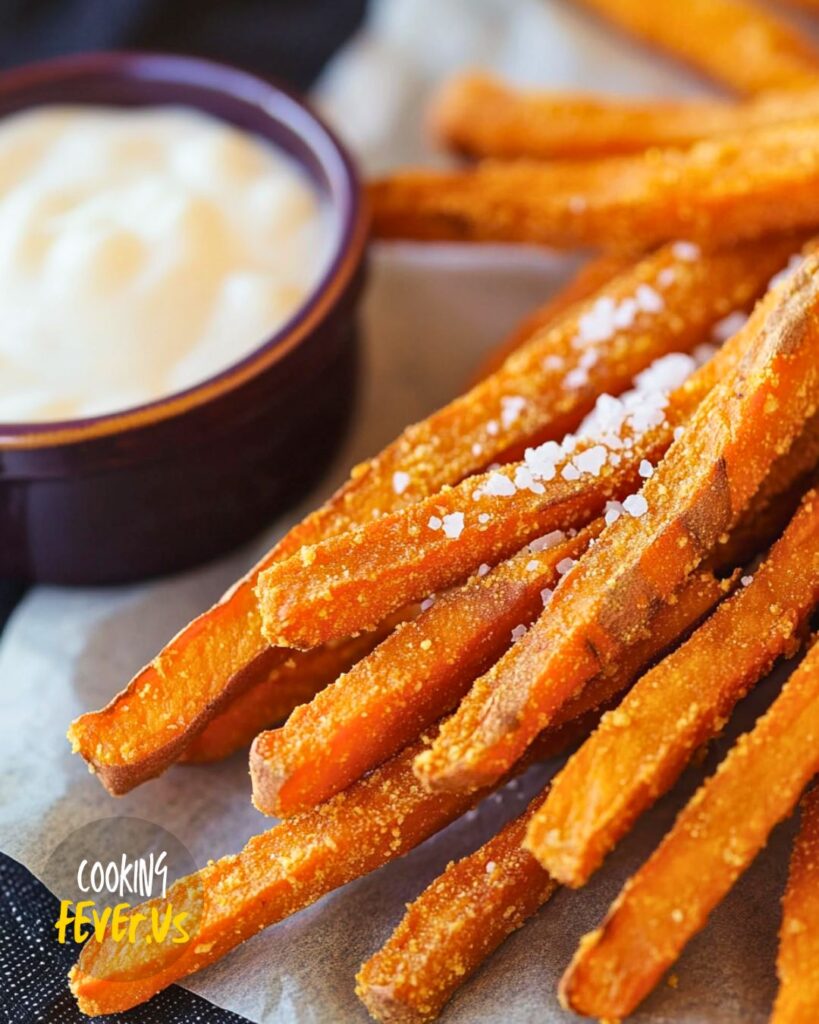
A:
x,y
63,921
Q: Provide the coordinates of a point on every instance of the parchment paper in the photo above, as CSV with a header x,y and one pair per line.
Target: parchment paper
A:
x,y
428,316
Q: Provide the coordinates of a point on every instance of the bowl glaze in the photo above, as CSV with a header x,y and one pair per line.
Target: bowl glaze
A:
x,y
163,486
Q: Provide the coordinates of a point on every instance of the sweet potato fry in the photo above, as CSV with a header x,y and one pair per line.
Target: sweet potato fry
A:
x,y
409,681
712,842
696,494
640,749
590,279
736,42
453,926
480,116
720,191
774,504
345,584
223,653
797,964
279,872
294,682
466,913
420,672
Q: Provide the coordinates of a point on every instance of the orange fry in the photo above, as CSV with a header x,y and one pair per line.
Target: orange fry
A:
x,y
720,191
736,42
345,584
276,874
468,911
223,653
279,872
713,841
695,495
592,277
408,682
480,116
453,926
640,749
273,698
797,964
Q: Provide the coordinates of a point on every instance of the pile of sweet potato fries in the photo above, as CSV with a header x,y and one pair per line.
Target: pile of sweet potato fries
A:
x,y
601,547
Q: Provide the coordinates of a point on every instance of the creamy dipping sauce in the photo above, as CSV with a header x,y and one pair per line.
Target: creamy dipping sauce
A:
x,y
141,252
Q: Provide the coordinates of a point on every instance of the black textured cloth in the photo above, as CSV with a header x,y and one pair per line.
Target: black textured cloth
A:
x,y
33,966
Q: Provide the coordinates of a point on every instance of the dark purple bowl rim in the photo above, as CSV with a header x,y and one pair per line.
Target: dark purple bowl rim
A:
x,y
347,254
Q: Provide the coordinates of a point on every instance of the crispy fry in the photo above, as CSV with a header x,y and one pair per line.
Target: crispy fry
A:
x,y
223,653
797,964
273,698
712,842
453,926
696,494
591,278
480,116
409,681
672,623
774,504
349,582
420,673
467,912
720,191
736,42
640,749
279,872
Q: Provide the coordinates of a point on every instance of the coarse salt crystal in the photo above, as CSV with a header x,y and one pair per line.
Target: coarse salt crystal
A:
x,y
702,353
613,512
427,603
435,523
483,569
499,486
625,314
591,460
484,518
565,565
576,378
532,565
453,525
518,632
666,277
793,263
400,481
678,432
547,541
542,461
546,595
511,407
490,867
746,581
646,470
648,300
597,324
570,472
525,481
729,325
636,505
689,252
553,362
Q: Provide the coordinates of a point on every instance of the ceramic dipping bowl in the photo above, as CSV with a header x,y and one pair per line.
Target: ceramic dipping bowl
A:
x,y
163,486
